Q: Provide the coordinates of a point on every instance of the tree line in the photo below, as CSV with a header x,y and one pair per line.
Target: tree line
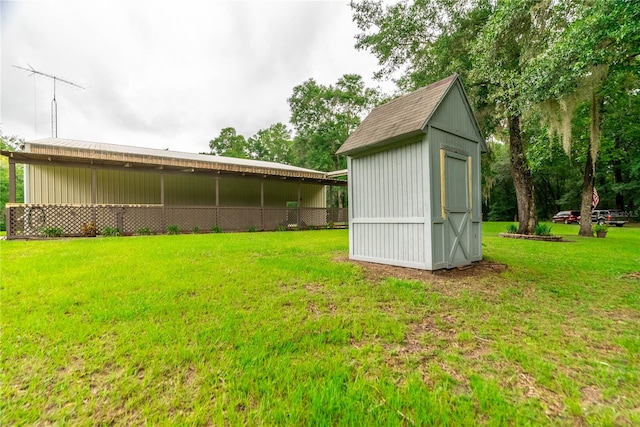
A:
x,y
322,117
555,87
539,73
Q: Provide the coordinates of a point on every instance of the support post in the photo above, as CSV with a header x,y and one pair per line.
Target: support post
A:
x,y
162,189
94,195
217,218
12,181
163,226
94,186
262,205
329,216
298,204
217,192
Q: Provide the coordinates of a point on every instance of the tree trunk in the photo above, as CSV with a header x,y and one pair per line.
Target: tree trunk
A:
x,y
589,169
587,197
522,179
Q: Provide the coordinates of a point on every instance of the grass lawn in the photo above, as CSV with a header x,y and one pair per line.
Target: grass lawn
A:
x,y
276,328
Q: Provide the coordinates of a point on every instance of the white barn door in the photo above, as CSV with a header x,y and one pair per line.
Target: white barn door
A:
x,y
456,202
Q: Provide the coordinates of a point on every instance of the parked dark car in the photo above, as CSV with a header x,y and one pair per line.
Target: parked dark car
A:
x,y
609,217
568,217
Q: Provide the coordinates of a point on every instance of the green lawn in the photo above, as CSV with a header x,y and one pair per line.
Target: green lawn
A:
x,y
275,328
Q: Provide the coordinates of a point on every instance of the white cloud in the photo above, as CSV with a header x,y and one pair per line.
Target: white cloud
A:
x,y
168,74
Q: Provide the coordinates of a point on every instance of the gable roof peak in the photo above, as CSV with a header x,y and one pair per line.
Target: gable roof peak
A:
x,y
399,118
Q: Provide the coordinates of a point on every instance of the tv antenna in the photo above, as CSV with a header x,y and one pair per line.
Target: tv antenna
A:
x,y
54,103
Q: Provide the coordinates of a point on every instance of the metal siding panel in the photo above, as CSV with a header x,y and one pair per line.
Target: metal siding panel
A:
x,y
313,196
35,184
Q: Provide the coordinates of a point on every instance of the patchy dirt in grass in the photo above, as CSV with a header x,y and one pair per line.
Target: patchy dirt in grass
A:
x,y
378,272
635,275
477,277
424,342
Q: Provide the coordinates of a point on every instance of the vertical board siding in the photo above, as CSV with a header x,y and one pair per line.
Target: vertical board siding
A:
x,y
454,115
387,185
399,244
388,204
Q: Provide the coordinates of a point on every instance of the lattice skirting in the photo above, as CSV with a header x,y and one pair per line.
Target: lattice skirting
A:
x,y
33,220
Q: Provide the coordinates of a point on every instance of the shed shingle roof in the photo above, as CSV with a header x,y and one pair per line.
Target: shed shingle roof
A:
x,y
399,118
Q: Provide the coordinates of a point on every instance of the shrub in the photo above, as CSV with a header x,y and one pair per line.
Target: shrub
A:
x,y
281,227
143,231
111,232
173,229
216,229
252,229
195,230
89,229
542,229
600,228
512,229
52,231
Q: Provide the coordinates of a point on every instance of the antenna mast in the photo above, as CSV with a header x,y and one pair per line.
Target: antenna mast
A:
x,y
54,103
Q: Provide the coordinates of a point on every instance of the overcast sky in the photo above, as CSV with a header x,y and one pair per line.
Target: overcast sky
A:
x,y
168,74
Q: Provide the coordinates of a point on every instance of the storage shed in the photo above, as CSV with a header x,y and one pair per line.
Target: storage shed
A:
x,y
414,181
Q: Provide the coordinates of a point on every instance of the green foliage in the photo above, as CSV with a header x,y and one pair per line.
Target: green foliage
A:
x,y
110,232
489,41
173,229
281,227
512,228
324,116
52,231
273,144
512,55
195,230
252,229
600,228
89,229
497,184
143,231
9,143
542,229
216,229
229,144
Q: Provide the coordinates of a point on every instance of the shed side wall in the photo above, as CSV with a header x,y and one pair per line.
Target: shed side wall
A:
x,y
388,211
